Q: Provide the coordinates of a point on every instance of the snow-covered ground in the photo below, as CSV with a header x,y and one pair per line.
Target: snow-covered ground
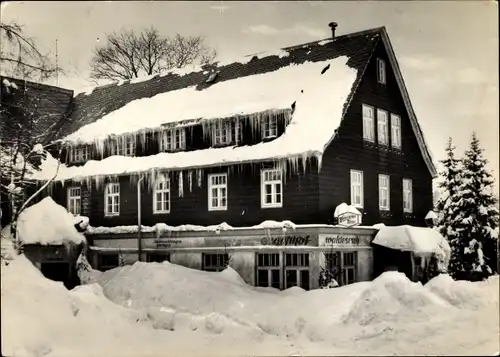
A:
x,y
152,309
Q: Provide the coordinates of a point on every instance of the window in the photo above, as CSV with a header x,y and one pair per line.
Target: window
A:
x,y
112,199
382,122
155,257
368,123
74,200
215,262
407,195
297,270
357,188
123,146
173,139
396,131
383,192
161,195
381,74
217,192
269,127
271,188
79,154
222,132
107,261
268,270
130,144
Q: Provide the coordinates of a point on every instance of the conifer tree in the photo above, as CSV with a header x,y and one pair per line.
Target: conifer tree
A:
x,y
447,202
475,242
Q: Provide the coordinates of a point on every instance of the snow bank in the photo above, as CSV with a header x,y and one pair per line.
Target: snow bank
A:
x,y
186,294
86,273
415,239
463,294
319,106
46,222
170,310
392,296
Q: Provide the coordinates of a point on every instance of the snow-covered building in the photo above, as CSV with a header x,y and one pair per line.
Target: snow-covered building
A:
x,y
281,136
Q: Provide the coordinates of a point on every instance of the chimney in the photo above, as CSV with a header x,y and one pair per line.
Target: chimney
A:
x,y
333,25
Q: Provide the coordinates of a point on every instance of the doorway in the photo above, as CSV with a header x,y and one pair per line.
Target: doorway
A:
x,y
57,271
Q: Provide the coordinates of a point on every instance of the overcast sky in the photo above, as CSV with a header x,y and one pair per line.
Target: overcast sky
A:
x,y
448,51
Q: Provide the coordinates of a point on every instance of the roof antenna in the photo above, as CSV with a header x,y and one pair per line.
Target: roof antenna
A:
x,y
57,66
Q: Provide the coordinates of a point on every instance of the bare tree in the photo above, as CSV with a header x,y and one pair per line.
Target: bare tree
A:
x,y
20,57
21,150
129,54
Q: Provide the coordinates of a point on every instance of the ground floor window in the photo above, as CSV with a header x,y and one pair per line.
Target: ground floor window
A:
x,y
268,270
155,257
107,261
215,262
297,270
342,265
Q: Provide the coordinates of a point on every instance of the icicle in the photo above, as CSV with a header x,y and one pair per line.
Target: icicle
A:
x,y
181,185
190,178
199,177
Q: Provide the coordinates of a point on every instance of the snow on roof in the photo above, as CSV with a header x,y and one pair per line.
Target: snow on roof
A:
x,y
319,106
345,208
431,215
240,96
46,222
419,240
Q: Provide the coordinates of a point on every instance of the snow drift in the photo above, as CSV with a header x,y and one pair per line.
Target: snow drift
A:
x,y
165,309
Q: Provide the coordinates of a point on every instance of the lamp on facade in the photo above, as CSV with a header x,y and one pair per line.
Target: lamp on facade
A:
x,y
431,219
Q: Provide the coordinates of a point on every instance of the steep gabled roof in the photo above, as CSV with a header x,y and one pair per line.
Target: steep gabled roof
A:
x,y
104,100
327,97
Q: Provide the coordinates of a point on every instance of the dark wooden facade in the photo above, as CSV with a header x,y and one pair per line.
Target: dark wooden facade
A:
x,y
308,197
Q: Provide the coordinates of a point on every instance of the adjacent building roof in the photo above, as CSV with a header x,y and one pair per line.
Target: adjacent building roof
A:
x,y
50,106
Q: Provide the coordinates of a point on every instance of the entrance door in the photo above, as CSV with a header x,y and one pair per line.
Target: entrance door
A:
x,y
57,271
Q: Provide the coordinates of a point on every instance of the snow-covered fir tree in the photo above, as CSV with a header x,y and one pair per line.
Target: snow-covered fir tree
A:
x,y
474,239
446,205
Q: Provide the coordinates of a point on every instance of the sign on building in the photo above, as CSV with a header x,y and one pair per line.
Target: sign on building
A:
x,y
347,216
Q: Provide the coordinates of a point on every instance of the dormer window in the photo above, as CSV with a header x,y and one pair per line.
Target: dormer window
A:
x,y
222,132
381,74
269,127
124,146
79,154
173,140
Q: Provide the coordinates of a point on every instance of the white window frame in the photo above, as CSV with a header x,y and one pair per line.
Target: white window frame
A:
x,y
383,126
123,146
396,131
217,182
357,182
79,154
274,183
74,200
129,145
407,195
272,266
384,192
172,140
164,191
368,123
112,190
269,127
381,71
222,129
